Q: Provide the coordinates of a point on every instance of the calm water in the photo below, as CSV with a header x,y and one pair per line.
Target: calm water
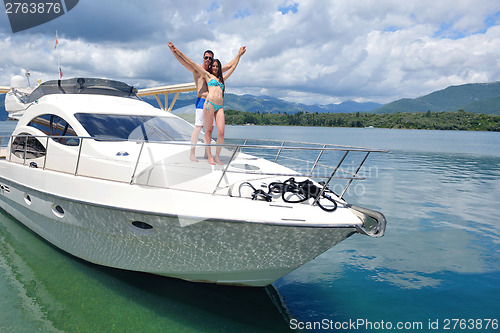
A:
x,y
439,260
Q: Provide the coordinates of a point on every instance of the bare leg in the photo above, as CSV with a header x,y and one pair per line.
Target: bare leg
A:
x,y
209,126
194,139
220,123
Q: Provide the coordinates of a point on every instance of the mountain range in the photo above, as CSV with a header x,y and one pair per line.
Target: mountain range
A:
x,y
473,97
267,104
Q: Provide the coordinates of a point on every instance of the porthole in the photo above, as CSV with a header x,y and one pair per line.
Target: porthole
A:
x,y
57,210
27,198
142,228
142,225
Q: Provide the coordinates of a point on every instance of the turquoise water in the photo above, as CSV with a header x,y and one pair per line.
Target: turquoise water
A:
x,y
437,268
440,257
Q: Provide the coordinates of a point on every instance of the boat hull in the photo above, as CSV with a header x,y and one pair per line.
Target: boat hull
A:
x,y
217,251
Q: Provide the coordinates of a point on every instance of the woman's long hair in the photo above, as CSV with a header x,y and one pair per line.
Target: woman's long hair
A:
x,y
219,74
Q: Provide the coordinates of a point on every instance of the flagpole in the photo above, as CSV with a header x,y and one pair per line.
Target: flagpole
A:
x,y
57,54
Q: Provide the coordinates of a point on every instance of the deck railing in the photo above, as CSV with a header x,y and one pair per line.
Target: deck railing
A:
x,y
317,154
322,162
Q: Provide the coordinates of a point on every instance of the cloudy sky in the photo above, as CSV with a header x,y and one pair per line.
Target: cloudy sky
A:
x,y
309,51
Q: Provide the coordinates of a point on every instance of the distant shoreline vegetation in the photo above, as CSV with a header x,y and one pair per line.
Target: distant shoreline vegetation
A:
x,y
445,120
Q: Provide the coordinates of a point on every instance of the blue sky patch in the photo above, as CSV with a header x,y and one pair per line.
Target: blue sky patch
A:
x,y
392,28
492,20
286,9
213,7
445,31
242,13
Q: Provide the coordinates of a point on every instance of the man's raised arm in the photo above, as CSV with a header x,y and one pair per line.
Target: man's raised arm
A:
x,y
230,64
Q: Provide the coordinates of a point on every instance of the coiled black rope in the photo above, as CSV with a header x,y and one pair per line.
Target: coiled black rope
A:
x,y
294,192
257,193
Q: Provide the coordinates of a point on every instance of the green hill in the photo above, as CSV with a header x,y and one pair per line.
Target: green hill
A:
x,y
473,97
488,106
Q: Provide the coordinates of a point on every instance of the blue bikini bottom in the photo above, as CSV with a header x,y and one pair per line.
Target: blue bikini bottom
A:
x,y
216,106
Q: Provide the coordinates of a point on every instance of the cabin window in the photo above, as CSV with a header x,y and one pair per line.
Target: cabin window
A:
x,y
56,127
135,127
27,145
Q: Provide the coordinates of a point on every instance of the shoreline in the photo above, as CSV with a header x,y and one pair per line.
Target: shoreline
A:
x,y
445,120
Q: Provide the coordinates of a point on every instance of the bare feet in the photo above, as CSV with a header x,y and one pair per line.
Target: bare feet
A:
x,y
218,161
211,160
193,158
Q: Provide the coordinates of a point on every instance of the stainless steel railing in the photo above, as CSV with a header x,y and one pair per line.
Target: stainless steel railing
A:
x,y
320,149
293,153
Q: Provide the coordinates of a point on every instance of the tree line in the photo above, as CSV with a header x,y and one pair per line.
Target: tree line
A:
x,y
459,120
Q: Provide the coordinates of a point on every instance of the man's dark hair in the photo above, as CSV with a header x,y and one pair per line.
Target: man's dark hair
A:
x,y
209,51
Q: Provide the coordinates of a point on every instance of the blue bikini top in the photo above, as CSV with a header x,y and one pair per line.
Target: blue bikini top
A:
x,y
215,83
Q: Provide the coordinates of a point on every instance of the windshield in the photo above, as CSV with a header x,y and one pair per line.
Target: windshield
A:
x,y
135,127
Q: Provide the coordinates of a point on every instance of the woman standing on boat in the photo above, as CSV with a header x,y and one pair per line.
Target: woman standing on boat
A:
x,y
214,103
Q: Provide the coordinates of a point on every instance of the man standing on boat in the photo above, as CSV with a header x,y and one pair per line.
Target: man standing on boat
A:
x,y
202,89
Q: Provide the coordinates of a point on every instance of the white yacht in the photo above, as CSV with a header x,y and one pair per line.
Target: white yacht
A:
x,y
107,177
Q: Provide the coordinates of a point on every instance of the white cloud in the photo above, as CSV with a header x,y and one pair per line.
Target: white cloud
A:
x,y
318,52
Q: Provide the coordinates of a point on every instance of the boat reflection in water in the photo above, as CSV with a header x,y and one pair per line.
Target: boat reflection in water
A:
x,y
52,291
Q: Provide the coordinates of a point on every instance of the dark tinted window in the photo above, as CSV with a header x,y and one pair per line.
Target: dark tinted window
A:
x,y
135,127
26,144
53,125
